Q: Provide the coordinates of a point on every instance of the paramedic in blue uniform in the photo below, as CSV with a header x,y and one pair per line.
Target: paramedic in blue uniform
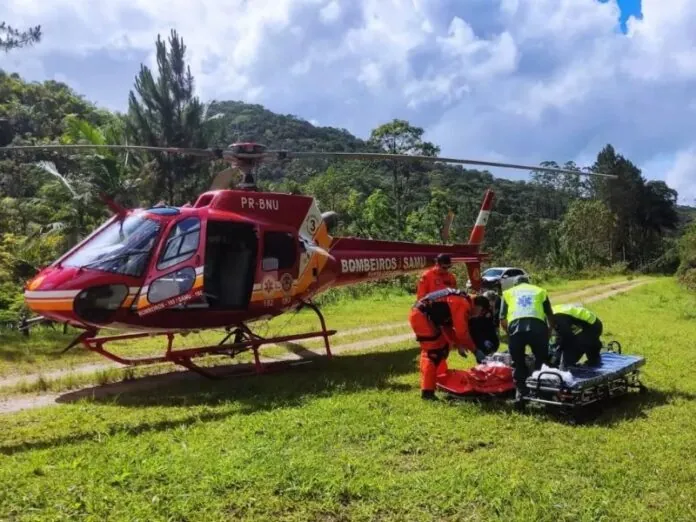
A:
x,y
526,315
578,332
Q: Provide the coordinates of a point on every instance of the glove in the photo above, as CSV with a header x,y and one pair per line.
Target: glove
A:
x,y
480,356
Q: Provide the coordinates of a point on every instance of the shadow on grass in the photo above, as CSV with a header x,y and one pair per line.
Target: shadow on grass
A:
x,y
345,374
238,396
633,406
607,413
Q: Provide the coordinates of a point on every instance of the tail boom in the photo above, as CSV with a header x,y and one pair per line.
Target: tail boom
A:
x,y
362,260
356,260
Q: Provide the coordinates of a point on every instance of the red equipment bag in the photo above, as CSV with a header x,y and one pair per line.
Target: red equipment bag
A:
x,y
481,379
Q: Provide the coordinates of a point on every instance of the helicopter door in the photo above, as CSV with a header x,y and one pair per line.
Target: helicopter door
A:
x,y
177,276
230,264
280,266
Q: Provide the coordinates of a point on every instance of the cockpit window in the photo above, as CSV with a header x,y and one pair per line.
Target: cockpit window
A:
x,y
123,247
181,244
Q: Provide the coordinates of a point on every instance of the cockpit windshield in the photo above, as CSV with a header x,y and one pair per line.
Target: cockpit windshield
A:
x,y
123,247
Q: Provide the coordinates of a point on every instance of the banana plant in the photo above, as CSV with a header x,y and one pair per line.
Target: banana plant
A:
x,y
110,174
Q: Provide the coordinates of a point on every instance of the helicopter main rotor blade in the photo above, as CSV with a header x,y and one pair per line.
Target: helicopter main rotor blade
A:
x,y
175,150
237,155
384,156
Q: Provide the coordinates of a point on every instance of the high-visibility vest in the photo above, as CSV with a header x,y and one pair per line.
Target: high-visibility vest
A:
x,y
525,301
578,312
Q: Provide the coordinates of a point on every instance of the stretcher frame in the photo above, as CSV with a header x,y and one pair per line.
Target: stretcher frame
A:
x,y
549,388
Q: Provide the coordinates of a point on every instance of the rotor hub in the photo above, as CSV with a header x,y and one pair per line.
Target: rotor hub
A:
x,y
247,151
247,156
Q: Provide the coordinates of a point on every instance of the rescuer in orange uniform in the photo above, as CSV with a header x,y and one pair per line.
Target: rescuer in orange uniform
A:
x,y
436,277
441,320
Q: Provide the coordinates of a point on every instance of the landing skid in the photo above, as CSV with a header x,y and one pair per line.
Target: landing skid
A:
x,y
244,340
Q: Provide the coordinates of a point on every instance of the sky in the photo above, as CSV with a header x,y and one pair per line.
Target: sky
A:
x,y
522,81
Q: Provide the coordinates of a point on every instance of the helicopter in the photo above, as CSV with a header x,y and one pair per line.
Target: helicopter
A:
x,y
234,257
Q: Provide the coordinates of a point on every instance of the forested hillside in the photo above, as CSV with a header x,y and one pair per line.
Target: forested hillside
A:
x,y
569,223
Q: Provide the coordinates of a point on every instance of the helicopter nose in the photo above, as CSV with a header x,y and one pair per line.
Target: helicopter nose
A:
x,y
42,297
48,296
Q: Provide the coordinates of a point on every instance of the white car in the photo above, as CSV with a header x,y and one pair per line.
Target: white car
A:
x,y
502,278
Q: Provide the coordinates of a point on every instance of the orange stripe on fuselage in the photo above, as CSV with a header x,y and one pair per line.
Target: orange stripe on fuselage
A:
x,y
50,305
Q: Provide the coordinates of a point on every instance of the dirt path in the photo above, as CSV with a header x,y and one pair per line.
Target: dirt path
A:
x,y
89,368
18,403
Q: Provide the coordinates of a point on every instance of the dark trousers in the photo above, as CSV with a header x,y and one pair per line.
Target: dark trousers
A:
x,y
484,330
535,334
587,343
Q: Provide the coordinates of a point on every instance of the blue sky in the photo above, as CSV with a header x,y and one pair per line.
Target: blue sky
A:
x,y
511,80
628,8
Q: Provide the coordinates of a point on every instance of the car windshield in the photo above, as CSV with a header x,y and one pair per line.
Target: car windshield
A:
x,y
493,272
123,247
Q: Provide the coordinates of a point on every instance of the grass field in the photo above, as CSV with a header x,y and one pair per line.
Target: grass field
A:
x,y
350,439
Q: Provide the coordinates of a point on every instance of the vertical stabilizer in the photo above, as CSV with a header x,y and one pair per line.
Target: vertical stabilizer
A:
x,y
479,230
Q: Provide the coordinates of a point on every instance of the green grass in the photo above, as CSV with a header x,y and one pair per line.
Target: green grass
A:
x,y
350,439
41,350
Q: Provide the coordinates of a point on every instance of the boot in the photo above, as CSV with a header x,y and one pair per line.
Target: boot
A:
x,y
428,395
519,400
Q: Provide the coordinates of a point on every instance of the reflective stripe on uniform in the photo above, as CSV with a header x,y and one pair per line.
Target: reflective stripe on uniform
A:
x,y
441,294
525,301
578,312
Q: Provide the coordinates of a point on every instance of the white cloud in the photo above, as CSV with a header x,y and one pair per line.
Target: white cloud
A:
x,y
522,80
683,174
330,12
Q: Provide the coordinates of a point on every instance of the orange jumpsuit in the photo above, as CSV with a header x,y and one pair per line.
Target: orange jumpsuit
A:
x,y
435,279
440,320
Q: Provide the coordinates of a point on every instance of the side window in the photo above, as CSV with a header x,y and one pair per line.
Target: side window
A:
x,y
514,272
171,285
181,244
279,250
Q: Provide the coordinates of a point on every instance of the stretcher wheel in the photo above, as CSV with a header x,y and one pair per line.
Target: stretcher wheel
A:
x,y
614,346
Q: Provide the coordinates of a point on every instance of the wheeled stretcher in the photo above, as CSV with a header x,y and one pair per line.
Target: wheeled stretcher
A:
x,y
582,385
577,386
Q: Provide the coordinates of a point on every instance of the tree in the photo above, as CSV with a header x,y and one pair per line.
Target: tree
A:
x,y
11,38
400,137
569,184
424,224
687,257
107,169
643,210
167,114
585,234
656,218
